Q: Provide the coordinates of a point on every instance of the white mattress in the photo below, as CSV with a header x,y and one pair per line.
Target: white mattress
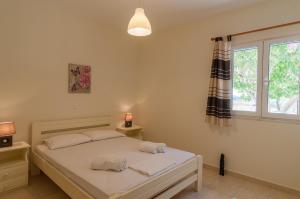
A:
x,y
75,161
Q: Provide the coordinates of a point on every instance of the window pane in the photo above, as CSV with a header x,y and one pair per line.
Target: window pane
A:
x,y
245,65
283,90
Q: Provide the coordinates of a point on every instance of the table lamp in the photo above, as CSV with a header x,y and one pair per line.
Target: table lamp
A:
x,y
128,120
7,129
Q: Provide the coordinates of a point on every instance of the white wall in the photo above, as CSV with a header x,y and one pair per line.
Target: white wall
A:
x,y
173,87
37,41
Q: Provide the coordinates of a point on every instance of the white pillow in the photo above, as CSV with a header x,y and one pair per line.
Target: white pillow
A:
x,y
103,134
66,140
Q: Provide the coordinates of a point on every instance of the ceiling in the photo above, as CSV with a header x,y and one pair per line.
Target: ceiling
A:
x,y
161,13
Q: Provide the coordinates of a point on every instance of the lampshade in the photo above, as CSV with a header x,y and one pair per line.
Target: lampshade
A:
x,y
128,117
7,128
139,25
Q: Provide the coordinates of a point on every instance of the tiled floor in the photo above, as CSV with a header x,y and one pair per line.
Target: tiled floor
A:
x,y
214,187
230,187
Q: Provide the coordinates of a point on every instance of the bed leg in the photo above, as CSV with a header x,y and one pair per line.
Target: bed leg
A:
x,y
34,170
198,183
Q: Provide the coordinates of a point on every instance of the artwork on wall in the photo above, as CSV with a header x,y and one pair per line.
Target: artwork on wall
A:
x,y
79,78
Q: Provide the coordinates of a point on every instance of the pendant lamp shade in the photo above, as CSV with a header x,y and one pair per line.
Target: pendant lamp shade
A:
x,y
139,25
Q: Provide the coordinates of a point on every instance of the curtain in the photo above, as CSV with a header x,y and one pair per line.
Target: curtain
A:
x,y
218,110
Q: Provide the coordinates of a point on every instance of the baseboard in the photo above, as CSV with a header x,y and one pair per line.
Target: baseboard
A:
x,y
255,180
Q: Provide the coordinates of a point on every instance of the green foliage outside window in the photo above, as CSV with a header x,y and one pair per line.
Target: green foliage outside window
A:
x,y
284,64
245,73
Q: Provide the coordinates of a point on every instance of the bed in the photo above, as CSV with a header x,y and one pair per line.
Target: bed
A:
x,y
73,175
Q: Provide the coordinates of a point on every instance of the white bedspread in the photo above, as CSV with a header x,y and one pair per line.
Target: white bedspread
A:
x,y
75,163
153,165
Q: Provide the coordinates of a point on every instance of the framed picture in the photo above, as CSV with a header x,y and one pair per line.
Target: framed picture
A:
x,y
79,78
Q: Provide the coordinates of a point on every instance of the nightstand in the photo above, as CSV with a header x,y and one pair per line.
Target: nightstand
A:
x,y
135,131
14,166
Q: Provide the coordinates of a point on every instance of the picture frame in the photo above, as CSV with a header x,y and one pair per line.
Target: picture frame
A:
x,y
79,78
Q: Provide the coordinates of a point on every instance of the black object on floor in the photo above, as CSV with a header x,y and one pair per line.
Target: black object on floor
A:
x,y
222,164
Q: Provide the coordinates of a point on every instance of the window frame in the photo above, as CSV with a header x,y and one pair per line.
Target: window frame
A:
x,y
259,46
263,47
265,82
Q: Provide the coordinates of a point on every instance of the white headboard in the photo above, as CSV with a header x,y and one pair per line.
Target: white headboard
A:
x,y
45,129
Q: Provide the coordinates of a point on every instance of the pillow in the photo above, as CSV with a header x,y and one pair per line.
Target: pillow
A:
x,y
66,140
103,134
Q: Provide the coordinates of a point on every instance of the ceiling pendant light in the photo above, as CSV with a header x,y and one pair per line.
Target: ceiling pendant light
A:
x,y
139,24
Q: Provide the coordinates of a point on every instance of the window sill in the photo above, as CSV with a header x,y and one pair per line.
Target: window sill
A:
x,y
266,119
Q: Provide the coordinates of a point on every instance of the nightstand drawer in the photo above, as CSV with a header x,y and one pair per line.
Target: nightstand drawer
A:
x,y
13,183
13,172
13,166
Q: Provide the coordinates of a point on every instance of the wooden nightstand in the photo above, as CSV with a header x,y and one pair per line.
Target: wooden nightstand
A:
x,y
14,166
135,131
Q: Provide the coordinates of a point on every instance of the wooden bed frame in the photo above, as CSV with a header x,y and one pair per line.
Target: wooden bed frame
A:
x,y
160,187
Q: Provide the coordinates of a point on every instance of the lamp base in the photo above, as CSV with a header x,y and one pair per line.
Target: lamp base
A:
x,y
6,141
128,124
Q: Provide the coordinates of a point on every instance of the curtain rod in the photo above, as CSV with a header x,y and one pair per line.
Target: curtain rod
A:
x,y
262,29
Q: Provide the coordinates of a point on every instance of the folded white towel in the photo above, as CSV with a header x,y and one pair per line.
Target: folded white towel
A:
x,y
161,147
153,165
148,147
109,162
151,147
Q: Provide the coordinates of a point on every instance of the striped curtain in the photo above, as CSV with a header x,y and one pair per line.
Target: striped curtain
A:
x,y
219,94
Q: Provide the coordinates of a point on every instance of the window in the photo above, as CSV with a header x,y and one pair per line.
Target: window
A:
x,y
281,78
269,88
246,67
